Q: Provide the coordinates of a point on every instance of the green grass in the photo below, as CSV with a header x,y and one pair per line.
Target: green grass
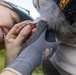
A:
x,y
38,71
2,57
2,60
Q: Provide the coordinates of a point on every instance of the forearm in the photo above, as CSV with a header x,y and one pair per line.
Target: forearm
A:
x,y
9,59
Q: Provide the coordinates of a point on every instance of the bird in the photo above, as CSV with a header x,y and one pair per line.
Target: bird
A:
x,y
65,32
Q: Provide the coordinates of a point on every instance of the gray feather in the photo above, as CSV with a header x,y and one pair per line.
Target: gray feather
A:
x,y
65,33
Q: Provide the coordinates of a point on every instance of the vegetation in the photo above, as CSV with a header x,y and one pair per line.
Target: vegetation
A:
x,y
2,60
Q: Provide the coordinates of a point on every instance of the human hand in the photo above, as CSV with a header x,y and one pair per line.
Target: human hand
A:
x,y
14,41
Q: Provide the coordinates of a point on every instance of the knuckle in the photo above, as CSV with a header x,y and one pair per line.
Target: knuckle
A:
x,y
16,26
6,39
23,33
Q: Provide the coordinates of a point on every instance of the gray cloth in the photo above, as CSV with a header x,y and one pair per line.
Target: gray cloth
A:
x,y
31,56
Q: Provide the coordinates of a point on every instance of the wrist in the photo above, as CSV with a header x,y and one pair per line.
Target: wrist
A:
x,y
9,59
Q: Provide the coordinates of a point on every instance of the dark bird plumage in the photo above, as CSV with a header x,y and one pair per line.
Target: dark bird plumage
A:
x,y
64,31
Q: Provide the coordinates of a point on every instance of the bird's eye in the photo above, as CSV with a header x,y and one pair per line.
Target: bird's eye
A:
x,y
14,22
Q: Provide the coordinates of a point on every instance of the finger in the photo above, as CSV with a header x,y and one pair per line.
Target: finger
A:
x,y
13,30
22,26
23,34
33,30
29,35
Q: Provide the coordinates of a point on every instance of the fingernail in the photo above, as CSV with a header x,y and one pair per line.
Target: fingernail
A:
x,y
28,27
20,28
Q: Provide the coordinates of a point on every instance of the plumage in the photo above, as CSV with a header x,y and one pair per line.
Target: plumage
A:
x,y
64,31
